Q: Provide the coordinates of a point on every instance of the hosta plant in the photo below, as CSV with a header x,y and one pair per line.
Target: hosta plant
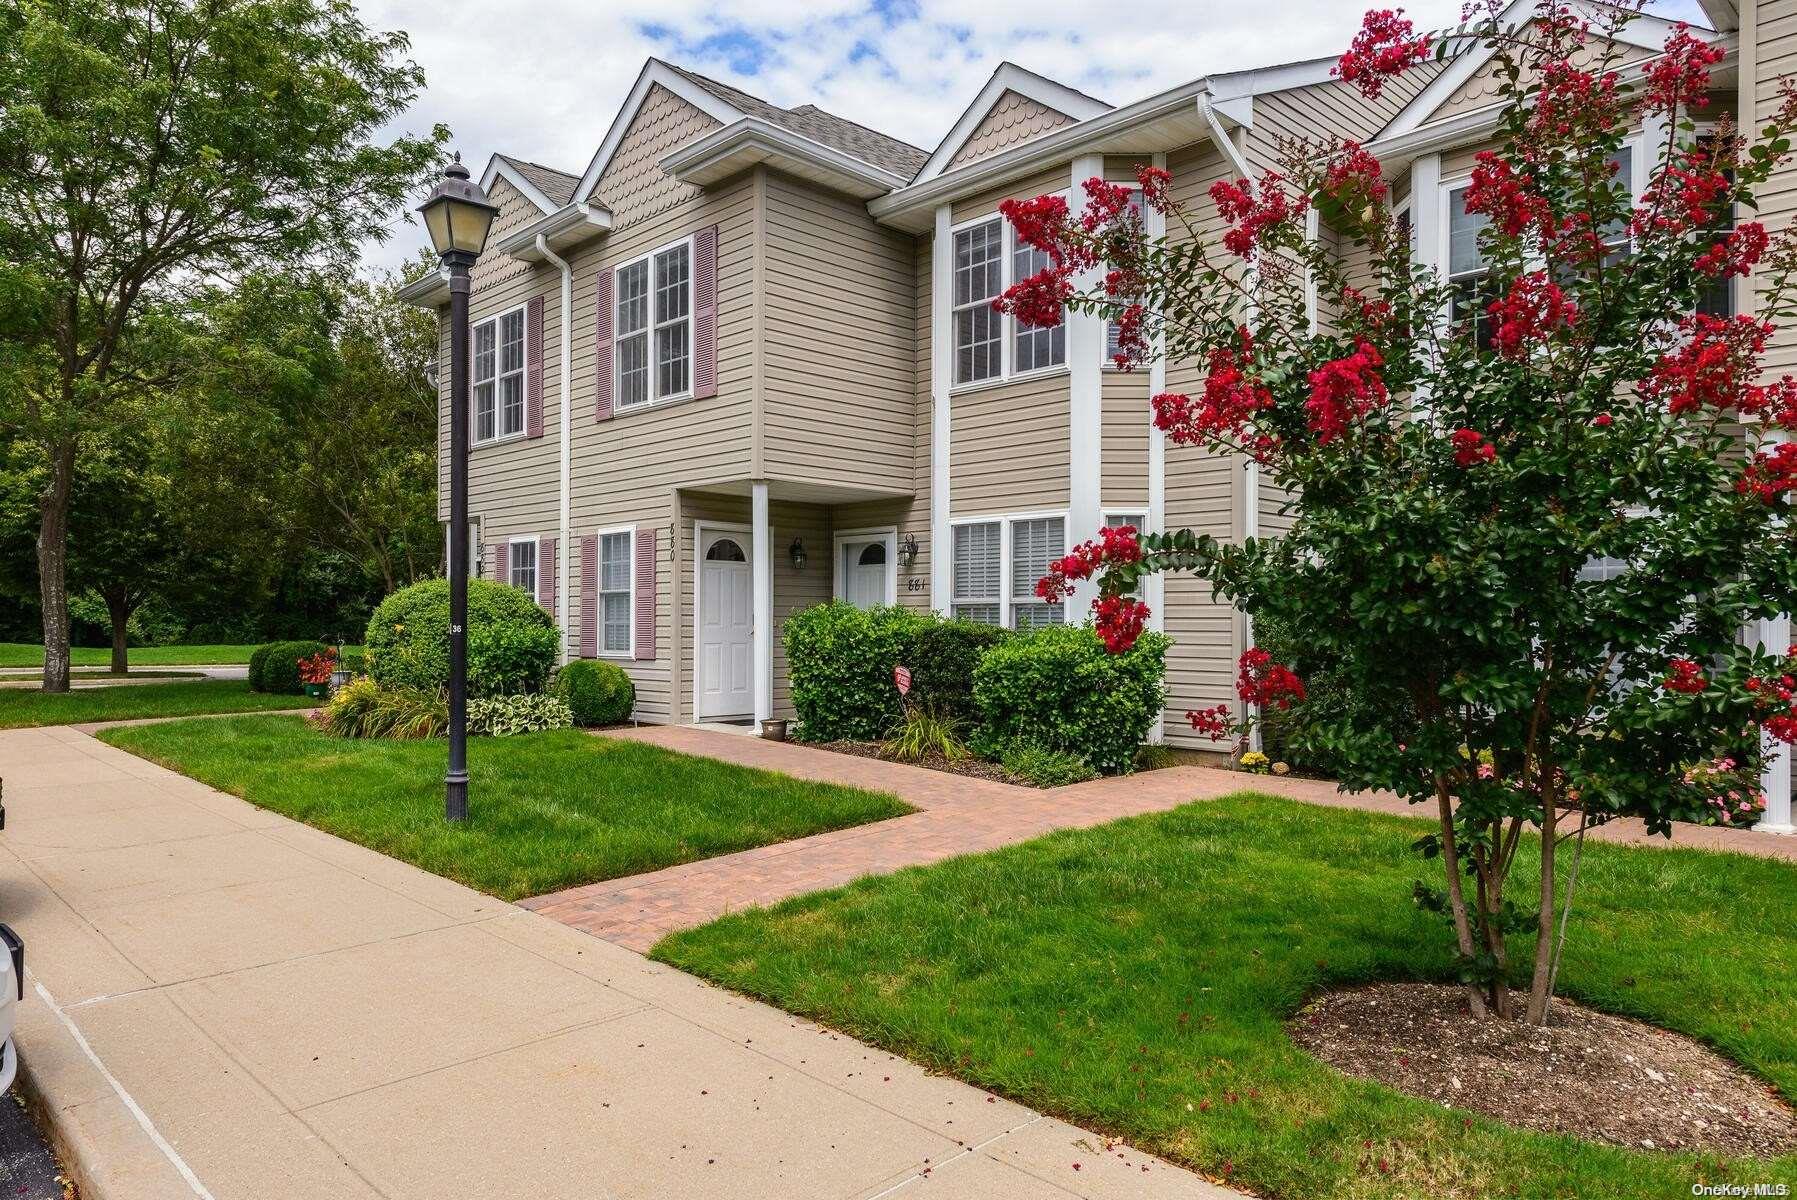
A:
x,y
1530,516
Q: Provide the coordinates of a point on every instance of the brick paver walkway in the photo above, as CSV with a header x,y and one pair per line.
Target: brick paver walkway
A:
x,y
956,815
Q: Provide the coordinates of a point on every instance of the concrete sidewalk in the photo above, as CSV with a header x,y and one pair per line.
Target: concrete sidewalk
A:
x,y
224,1003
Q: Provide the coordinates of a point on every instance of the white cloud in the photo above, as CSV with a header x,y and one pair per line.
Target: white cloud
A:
x,y
542,81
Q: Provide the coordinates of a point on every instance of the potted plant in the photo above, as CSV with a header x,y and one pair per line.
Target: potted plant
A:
x,y
315,672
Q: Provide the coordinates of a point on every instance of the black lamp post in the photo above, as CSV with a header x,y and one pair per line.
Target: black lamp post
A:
x,y
458,216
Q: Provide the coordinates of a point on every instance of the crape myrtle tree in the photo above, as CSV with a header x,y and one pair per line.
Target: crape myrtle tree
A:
x,y
1457,461
148,151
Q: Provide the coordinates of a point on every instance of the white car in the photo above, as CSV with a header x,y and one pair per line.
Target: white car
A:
x,y
12,990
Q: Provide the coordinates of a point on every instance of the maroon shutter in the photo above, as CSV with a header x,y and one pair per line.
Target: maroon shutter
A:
x,y
589,596
546,574
602,356
533,368
645,592
705,312
502,567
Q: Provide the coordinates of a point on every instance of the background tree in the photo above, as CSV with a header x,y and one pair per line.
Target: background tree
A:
x,y
146,151
1458,460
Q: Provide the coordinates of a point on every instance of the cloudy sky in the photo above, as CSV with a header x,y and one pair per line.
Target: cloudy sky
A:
x,y
542,81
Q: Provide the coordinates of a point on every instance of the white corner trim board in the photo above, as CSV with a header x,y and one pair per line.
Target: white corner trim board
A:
x,y
942,366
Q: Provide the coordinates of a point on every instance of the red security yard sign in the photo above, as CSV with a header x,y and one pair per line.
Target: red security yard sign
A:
x,y
902,677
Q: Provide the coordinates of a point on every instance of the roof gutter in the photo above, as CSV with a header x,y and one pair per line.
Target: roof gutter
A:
x,y
583,219
753,139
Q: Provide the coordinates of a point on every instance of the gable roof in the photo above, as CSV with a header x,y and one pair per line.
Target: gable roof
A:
x,y
729,106
1009,77
1468,55
556,186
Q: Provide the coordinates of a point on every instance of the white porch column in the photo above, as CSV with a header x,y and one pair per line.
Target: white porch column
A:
x,y
1775,638
762,579
1085,385
942,367
1154,592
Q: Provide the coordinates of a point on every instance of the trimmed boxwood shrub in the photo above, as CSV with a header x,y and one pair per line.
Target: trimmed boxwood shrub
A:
x,y
1058,689
275,667
511,641
840,659
942,657
597,693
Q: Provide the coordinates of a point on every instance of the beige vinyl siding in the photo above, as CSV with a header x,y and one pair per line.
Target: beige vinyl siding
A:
x,y
625,470
1777,197
840,390
1204,494
1052,179
512,484
1008,452
1483,89
915,517
1012,120
1124,449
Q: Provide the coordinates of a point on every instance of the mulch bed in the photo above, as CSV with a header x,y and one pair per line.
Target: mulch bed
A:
x,y
978,768
1586,1073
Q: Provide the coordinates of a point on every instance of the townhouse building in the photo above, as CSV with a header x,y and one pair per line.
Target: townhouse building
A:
x,y
746,361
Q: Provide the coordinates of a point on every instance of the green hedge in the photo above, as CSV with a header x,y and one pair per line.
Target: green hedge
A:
x,y
275,667
840,659
597,693
1058,689
511,641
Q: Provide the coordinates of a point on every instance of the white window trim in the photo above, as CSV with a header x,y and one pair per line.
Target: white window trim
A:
x,y
1007,598
474,438
692,362
476,563
599,536
536,554
887,534
1007,342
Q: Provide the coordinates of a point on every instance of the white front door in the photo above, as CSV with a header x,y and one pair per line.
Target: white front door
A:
x,y
726,626
864,573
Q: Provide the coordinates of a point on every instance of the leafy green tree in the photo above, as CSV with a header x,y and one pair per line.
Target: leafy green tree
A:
x,y
1525,512
149,150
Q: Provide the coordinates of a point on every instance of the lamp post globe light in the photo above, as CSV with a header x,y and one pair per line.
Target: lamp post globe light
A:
x,y
458,216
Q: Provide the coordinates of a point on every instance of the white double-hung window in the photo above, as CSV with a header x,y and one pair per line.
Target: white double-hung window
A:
x,y
997,561
990,346
616,557
1468,273
654,326
499,376
521,564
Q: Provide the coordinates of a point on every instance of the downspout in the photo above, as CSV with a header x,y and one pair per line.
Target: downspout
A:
x,y
562,547
1251,473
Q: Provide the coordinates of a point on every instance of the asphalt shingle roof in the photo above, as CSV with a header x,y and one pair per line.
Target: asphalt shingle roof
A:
x,y
808,120
557,185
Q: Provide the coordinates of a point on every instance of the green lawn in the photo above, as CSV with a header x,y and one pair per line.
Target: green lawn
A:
x,y
25,654
22,707
1134,978
547,810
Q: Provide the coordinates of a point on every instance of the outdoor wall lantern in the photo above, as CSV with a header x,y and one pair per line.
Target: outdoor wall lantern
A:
x,y
458,216
797,553
908,552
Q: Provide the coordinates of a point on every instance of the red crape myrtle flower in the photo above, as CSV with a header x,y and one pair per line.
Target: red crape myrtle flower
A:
x,y
1115,544
1038,300
1532,310
1264,683
1495,190
1574,104
1385,48
1105,202
1343,391
1354,180
1712,368
1737,254
1214,723
1686,677
1771,474
1228,404
1254,214
1040,221
1471,448
1680,77
1777,700
1155,181
1682,199
1118,621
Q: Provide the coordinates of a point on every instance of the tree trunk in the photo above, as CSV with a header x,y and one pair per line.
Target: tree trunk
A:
x,y
1450,860
118,610
1540,985
52,565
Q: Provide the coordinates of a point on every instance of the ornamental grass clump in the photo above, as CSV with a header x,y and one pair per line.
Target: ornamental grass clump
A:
x,y
1459,456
